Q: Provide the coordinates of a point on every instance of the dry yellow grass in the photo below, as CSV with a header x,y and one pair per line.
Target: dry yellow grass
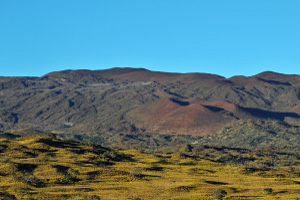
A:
x,y
41,168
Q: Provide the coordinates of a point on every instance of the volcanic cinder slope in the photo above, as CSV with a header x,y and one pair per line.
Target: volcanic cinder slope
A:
x,y
139,100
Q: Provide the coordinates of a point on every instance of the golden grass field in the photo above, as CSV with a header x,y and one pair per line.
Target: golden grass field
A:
x,y
36,167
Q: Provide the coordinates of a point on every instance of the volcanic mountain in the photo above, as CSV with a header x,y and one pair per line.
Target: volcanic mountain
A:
x,y
195,116
136,100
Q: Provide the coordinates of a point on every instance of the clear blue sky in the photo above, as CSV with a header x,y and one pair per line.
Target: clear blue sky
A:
x,y
232,37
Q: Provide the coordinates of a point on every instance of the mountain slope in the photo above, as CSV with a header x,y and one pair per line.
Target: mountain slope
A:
x,y
138,100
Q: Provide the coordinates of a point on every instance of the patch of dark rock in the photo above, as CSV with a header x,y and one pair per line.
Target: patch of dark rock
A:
x,y
84,189
216,183
57,143
213,108
184,188
60,168
26,167
158,169
179,102
9,135
78,151
32,155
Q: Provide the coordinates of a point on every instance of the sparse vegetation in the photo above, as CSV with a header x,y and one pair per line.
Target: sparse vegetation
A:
x,y
103,173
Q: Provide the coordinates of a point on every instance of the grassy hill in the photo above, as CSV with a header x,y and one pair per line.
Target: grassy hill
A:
x,y
42,167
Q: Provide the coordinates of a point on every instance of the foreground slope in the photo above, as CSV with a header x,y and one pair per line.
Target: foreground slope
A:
x,y
47,168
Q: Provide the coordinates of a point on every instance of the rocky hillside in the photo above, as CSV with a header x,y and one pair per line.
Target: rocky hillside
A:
x,y
127,100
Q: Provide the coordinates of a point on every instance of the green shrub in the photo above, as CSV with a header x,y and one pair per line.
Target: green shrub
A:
x,y
70,176
30,179
268,190
137,172
87,197
133,198
22,191
93,197
219,194
109,155
5,195
51,136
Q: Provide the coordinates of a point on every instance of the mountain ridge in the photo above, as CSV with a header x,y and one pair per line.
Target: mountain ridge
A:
x,y
115,100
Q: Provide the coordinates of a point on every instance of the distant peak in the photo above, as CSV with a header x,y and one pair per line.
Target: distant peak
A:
x,y
129,68
267,73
